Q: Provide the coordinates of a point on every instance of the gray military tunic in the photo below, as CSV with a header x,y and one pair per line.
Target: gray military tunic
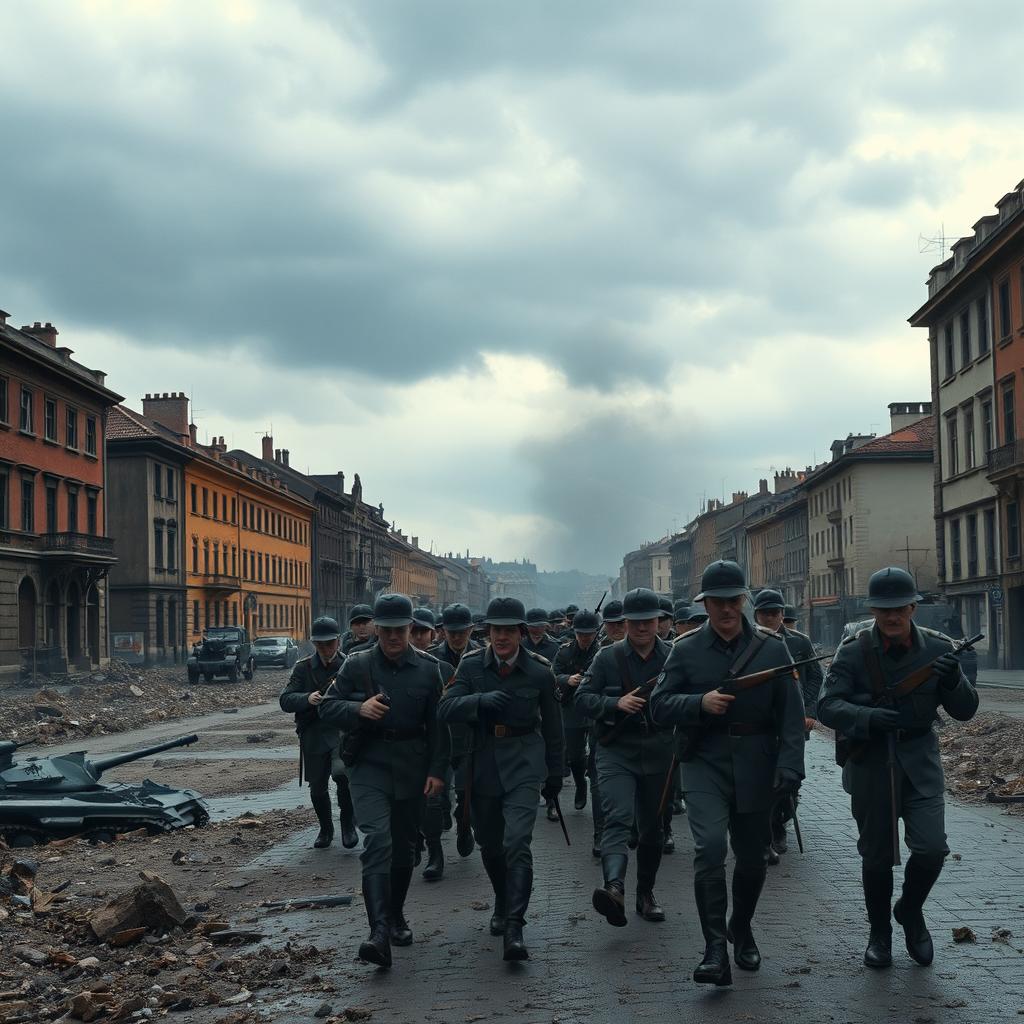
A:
x,y
398,752
569,660
845,705
801,648
318,739
511,758
728,774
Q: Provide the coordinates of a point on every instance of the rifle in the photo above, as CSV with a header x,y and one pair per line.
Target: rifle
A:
x,y
730,686
561,820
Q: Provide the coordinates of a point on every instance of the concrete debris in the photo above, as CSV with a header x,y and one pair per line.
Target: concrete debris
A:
x,y
151,906
964,934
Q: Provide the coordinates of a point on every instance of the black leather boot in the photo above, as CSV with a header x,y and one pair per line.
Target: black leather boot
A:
x,y
610,899
878,900
921,874
746,888
519,886
712,898
464,841
669,840
595,850
434,871
377,897
495,868
398,927
347,817
579,777
551,812
648,860
322,808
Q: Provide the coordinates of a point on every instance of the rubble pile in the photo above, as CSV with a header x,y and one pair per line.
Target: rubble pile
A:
x,y
984,759
122,697
142,928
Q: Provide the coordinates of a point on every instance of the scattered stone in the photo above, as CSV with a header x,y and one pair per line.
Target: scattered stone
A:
x,y
356,1013
107,862
84,1007
324,1010
48,711
126,937
1002,935
259,737
89,963
30,955
136,691
238,997
236,935
964,934
151,905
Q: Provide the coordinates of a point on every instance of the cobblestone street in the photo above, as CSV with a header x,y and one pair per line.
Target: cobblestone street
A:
x,y
810,925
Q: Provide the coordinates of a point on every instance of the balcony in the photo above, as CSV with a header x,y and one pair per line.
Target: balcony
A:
x,y
1005,461
836,562
71,546
213,581
834,515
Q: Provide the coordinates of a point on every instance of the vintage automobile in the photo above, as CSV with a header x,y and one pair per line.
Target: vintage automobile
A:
x,y
275,650
223,651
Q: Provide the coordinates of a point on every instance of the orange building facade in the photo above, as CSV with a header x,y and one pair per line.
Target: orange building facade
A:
x,y
247,549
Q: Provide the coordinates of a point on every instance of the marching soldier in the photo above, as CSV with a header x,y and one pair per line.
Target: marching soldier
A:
x,y
665,630
318,741
570,614
538,639
697,617
631,768
740,752
571,662
614,623
360,628
556,623
507,693
769,611
385,699
424,627
457,626
898,749
789,616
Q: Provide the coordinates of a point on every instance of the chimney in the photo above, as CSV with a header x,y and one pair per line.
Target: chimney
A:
x,y
46,333
268,448
169,410
341,482
284,455
3,317
762,487
192,435
277,455
416,542
902,414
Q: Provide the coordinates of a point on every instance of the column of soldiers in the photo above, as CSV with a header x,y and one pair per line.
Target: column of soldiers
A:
x,y
649,706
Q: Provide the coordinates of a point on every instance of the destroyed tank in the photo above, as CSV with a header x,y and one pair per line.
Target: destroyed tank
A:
x,y
47,798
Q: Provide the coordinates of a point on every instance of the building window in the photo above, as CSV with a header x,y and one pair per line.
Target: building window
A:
x,y
192,488
234,560
25,423
206,557
969,437
158,545
954,547
986,427
195,616
952,446
213,496
982,325
216,613
224,507
90,435
965,337
49,419
5,411
158,481
1012,530
972,544
172,622
92,523
947,338
51,508
206,613
71,434
1005,328
73,510
169,489
259,565
1009,419
172,549
195,555
28,505
206,502
216,558
990,542
234,511
234,613
159,622
5,482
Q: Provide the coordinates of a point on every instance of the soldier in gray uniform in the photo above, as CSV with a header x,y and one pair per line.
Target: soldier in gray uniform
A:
x,y
424,626
866,666
739,752
556,623
614,623
665,630
631,769
769,609
508,693
457,626
318,741
385,699
360,628
571,662
537,638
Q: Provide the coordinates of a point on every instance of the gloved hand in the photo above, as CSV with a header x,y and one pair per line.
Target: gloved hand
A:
x,y
883,720
552,787
495,702
786,781
947,671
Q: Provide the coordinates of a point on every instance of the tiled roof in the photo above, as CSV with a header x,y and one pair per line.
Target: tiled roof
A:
x,y
915,437
126,425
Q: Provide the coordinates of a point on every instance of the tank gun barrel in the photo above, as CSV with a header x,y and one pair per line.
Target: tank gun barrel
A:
x,y
102,764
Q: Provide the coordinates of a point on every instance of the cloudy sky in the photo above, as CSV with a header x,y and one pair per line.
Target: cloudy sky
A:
x,y
544,274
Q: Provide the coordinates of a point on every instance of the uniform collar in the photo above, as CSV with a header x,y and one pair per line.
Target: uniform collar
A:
x,y
711,638
409,658
492,661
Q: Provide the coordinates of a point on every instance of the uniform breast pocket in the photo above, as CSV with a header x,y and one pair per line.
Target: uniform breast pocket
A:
x,y
526,699
417,697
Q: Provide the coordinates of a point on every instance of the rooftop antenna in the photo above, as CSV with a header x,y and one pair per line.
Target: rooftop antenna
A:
x,y
936,243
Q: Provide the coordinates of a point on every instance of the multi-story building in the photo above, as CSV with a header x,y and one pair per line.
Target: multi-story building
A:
x,y
975,319
869,507
680,553
776,540
146,469
478,583
55,547
513,579
648,566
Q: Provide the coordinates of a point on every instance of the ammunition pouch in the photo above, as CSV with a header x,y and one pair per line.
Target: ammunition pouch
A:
x,y
352,744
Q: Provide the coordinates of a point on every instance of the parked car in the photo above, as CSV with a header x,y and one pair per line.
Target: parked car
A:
x,y
223,651
275,650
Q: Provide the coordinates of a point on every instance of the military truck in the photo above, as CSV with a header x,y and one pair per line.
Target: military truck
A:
x,y
223,651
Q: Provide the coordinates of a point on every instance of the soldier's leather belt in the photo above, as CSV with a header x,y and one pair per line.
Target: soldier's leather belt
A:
x,y
502,732
396,735
745,728
912,734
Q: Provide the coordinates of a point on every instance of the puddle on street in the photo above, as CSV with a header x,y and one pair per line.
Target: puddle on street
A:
x,y
286,797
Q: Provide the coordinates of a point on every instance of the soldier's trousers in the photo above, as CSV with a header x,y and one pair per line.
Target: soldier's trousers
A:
x,y
318,770
924,817
504,824
714,820
596,806
627,794
390,827
434,808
